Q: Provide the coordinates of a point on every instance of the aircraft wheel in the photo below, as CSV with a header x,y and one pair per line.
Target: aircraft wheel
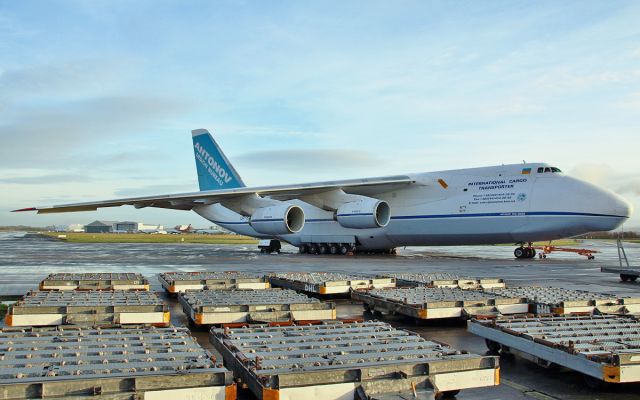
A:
x,y
333,248
624,277
533,253
322,249
519,252
303,249
633,278
313,249
344,249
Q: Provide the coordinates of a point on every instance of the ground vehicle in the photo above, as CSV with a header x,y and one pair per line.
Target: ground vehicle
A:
x,y
269,246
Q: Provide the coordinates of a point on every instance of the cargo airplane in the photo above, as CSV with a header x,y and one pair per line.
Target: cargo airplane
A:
x,y
518,203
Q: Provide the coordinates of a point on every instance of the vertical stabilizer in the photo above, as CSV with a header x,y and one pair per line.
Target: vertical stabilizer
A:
x,y
214,169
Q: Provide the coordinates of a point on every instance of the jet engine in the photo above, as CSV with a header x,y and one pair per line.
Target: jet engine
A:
x,y
280,219
363,214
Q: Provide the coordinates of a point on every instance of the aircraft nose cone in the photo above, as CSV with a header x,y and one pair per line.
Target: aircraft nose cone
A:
x,y
622,207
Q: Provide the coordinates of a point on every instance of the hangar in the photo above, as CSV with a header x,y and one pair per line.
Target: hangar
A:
x,y
99,227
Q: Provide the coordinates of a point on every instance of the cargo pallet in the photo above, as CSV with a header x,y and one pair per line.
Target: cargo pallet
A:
x,y
177,282
561,301
601,347
444,280
123,363
94,281
335,361
424,303
213,307
94,308
327,283
626,274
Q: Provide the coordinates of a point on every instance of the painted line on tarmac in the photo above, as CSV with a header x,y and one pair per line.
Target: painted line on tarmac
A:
x,y
527,391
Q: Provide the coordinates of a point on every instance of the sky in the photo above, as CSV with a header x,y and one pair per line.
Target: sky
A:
x,y
98,98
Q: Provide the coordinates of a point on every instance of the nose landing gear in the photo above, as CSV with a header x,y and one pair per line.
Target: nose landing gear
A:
x,y
525,251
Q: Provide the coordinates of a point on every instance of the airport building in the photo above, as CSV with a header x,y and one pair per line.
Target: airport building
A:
x,y
99,227
120,226
131,226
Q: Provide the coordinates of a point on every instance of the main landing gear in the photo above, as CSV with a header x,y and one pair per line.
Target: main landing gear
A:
x,y
525,251
326,248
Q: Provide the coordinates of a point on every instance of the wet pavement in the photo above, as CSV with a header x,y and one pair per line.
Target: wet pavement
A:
x,y
25,261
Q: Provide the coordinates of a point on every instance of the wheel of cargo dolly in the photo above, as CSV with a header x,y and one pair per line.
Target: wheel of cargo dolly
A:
x,y
323,249
303,249
333,248
546,364
519,252
447,394
493,347
344,249
593,383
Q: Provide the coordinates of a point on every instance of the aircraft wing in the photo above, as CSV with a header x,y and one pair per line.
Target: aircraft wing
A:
x,y
186,201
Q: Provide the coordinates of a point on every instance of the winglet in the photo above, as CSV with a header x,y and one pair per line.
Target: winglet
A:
x,y
25,209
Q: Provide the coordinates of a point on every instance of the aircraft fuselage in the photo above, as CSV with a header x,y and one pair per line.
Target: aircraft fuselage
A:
x,y
501,204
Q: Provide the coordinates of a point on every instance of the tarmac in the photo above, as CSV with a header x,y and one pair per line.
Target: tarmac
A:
x,y
25,261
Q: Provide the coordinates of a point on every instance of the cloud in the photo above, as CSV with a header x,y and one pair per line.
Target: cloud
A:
x,y
631,102
303,159
562,79
271,131
46,179
604,175
72,79
632,186
51,133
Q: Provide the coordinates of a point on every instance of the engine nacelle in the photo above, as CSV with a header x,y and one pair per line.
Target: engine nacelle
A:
x,y
278,220
363,214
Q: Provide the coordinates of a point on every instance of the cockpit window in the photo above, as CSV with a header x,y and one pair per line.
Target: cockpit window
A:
x,y
548,169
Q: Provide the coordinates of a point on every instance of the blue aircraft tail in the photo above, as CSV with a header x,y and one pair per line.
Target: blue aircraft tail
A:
x,y
214,169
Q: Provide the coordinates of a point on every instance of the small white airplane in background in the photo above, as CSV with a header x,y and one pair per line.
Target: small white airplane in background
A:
x,y
518,203
153,231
